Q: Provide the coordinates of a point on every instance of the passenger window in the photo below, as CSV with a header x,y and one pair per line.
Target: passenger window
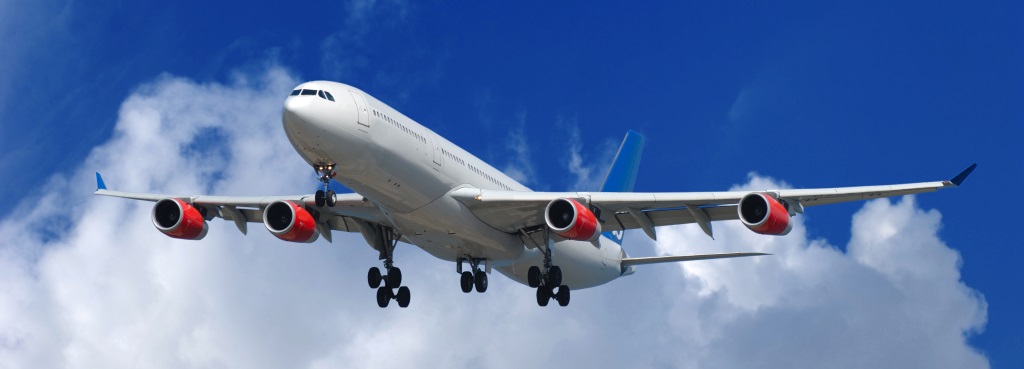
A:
x,y
296,92
329,97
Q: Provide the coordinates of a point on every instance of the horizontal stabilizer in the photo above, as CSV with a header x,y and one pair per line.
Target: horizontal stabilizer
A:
x,y
671,259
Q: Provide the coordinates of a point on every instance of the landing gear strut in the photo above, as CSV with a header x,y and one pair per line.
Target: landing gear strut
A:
x,y
325,196
387,241
477,278
550,278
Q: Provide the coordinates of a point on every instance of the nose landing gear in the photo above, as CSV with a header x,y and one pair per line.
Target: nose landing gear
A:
x,y
325,196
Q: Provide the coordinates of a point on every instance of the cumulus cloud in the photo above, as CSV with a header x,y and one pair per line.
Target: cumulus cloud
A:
x,y
87,282
893,299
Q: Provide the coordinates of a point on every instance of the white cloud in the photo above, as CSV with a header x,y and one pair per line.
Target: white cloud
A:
x,y
520,165
343,53
589,172
87,282
894,299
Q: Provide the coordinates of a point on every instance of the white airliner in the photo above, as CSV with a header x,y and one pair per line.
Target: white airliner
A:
x,y
413,186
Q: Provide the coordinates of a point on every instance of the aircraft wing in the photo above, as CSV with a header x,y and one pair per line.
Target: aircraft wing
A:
x,y
511,211
346,215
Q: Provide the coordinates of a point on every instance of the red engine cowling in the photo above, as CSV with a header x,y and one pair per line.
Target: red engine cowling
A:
x,y
179,219
763,214
290,222
570,219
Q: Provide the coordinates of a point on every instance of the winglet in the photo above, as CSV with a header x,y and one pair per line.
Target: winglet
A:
x,y
99,182
956,181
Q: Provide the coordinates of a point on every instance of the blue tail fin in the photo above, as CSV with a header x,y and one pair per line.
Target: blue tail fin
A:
x,y
622,174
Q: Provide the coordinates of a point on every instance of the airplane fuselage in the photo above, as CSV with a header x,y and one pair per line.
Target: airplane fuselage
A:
x,y
407,171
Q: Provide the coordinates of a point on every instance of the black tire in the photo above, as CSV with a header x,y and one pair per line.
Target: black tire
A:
x,y
466,281
319,198
383,297
331,198
374,278
563,295
543,295
533,277
403,297
394,277
480,280
555,276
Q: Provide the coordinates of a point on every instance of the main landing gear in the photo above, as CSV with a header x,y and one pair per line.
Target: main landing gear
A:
x,y
393,279
477,278
325,196
547,281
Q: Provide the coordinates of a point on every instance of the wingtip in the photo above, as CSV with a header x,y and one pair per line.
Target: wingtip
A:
x,y
956,181
99,182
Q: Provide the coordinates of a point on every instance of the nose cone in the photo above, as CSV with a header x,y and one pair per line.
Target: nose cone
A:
x,y
320,121
298,112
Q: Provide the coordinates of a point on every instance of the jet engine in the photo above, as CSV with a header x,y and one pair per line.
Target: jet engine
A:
x,y
764,214
290,222
179,219
570,219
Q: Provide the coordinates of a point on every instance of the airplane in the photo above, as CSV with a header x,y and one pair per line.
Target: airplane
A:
x,y
415,187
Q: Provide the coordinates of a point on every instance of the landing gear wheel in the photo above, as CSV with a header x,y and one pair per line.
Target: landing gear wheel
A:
x,y
533,277
403,297
331,199
543,295
394,277
554,276
374,278
325,196
563,295
480,279
383,296
467,282
319,198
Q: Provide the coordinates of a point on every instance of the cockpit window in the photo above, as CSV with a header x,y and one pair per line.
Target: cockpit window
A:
x,y
323,94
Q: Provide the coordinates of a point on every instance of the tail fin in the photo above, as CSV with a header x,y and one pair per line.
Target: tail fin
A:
x,y
622,174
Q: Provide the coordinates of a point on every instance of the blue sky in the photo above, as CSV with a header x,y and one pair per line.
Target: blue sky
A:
x,y
815,95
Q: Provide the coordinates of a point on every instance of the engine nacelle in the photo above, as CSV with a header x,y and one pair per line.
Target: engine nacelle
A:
x,y
570,219
290,222
763,214
179,219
